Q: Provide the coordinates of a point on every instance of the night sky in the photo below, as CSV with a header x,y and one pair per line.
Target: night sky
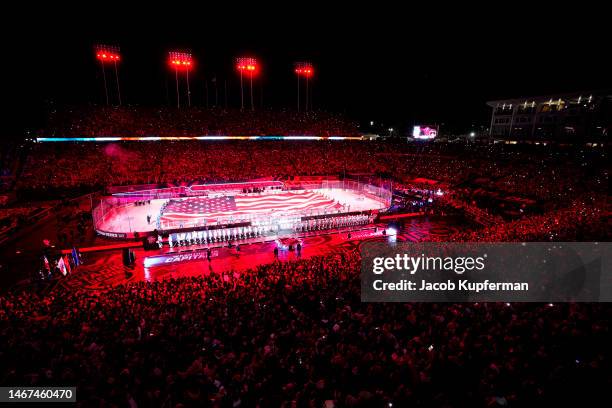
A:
x,y
398,67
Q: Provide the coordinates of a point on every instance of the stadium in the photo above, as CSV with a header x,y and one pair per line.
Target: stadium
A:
x,y
197,229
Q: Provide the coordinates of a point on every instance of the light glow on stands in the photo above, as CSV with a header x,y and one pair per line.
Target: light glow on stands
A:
x,y
162,138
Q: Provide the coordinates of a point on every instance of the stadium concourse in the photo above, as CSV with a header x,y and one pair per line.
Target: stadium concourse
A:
x,y
213,324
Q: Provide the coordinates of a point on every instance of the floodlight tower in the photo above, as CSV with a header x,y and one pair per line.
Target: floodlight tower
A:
x,y
249,65
306,70
107,54
183,61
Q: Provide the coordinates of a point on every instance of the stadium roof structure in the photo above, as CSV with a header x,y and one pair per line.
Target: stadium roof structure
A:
x,y
606,93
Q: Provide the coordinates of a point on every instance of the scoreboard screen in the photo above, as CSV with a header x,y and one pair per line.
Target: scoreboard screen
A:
x,y
424,132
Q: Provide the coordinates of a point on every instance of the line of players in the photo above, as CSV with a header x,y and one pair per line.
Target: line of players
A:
x,y
238,233
212,236
330,223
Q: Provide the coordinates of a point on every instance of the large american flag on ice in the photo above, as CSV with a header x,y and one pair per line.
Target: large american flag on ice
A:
x,y
191,209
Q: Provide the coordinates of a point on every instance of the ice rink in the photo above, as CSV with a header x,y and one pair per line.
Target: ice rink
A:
x,y
132,218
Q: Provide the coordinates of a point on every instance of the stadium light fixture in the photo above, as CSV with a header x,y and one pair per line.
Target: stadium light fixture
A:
x,y
247,64
181,60
303,69
108,54
250,66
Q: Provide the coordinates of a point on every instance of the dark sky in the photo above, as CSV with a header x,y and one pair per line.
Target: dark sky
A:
x,y
399,66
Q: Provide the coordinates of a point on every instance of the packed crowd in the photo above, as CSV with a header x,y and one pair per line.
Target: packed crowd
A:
x,y
94,165
297,335
581,220
541,175
141,121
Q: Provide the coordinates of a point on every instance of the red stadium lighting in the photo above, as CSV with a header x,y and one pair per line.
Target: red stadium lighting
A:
x,y
306,70
249,65
181,61
108,54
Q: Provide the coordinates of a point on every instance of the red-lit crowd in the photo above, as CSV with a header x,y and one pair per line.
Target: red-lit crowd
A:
x,y
486,178
296,334
170,122
581,220
510,170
